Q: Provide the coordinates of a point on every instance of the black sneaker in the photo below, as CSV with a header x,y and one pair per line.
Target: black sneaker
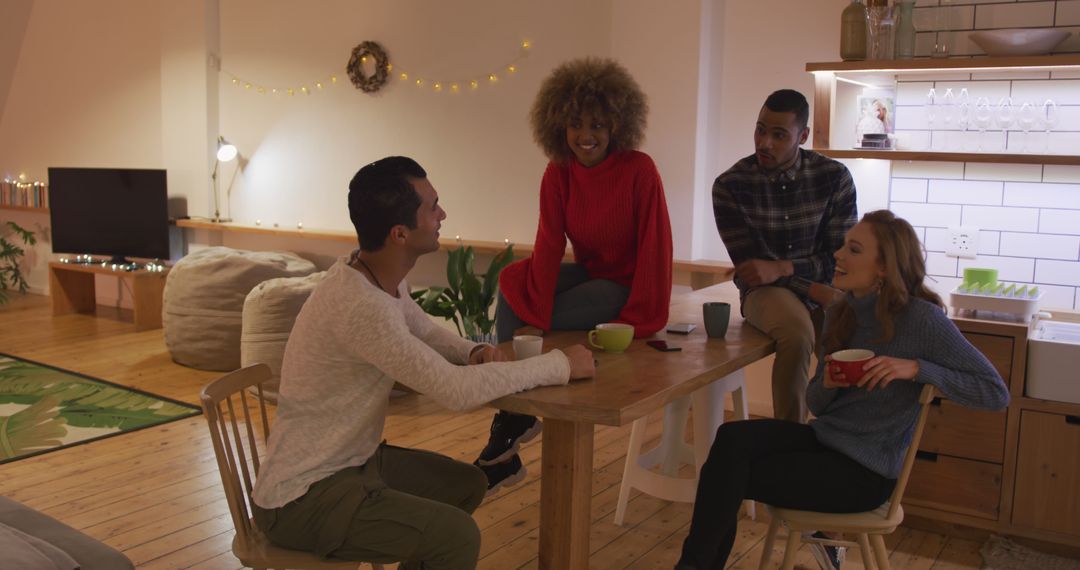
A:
x,y
507,473
828,557
508,432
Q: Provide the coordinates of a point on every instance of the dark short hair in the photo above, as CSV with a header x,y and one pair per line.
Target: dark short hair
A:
x,y
381,197
790,101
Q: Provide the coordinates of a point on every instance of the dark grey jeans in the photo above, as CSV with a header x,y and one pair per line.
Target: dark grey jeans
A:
x,y
580,303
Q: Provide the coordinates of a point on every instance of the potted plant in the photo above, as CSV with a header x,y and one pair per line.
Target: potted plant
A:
x,y
10,255
467,298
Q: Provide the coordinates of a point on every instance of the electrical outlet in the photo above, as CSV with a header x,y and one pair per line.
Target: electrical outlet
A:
x,y
963,242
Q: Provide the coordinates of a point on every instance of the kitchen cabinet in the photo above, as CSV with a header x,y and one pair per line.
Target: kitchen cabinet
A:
x,y
1048,473
1015,471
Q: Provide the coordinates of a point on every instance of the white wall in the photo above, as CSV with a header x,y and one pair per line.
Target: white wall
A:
x,y
763,46
476,145
14,15
85,91
706,66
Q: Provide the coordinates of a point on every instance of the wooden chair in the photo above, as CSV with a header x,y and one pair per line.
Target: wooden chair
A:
x,y
708,403
869,527
239,465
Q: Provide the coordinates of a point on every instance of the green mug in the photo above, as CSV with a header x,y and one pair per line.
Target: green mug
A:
x,y
611,337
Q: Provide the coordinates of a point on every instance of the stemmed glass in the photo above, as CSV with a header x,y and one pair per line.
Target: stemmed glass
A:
x,y
931,114
1026,120
963,116
983,115
948,110
1005,119
1050,119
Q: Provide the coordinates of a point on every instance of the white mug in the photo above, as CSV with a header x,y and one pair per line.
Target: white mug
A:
x,y
527,346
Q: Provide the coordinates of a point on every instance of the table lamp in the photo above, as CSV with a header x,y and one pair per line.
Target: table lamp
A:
x,y
225,153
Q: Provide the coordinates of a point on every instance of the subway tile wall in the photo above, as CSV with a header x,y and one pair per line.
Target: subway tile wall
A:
x,y
1029,230
1028,215
950,22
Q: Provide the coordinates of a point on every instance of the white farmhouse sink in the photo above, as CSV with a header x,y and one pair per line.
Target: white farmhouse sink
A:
x,y
1052,362
1028,41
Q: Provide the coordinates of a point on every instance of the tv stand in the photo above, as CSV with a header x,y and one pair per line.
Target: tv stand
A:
x,y
71,288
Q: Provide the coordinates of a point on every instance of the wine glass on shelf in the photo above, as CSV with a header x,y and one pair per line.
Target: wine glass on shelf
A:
x,y
948,113
1026,119
931,115
963,116
1005,120
1050,119
984,114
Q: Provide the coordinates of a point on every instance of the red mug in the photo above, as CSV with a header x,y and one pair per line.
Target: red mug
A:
x,y
850,363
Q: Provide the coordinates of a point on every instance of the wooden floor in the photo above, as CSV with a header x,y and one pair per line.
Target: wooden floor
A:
x,y
156,496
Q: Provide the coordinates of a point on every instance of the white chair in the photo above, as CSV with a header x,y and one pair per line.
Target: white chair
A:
x,y
673,451
234,416
869,527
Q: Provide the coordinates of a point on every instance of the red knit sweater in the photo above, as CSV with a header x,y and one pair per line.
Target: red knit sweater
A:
x,y
617,221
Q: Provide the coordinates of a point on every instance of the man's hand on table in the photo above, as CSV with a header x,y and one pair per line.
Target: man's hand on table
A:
x,y
758,272
582,364
486,353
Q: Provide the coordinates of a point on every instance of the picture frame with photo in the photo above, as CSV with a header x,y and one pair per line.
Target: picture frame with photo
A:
x,y
875,121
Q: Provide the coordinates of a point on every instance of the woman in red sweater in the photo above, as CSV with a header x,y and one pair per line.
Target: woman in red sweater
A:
x,y
607,199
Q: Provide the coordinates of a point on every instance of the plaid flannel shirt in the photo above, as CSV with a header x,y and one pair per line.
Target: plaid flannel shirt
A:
x,y
800,214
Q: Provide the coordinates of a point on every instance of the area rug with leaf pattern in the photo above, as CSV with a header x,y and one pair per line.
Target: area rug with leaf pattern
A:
x,y
43,409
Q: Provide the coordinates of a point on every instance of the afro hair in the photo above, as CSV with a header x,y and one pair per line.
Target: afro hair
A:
x,y
598,86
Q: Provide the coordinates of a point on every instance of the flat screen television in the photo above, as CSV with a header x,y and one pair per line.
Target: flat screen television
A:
x,y
117,212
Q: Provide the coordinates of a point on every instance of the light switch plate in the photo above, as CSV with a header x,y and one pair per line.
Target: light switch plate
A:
x,y
963,242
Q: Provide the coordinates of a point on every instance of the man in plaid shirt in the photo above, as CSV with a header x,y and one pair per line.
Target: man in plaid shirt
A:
x,y
782,212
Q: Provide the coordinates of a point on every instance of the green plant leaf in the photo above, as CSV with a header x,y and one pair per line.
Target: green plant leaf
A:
x,y
467,298
10,256
32,429
491,278
455,268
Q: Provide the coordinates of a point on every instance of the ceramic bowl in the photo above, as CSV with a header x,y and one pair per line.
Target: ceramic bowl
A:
x,y
1031,41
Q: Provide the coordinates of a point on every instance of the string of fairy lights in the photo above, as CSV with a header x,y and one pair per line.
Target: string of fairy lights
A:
x,y
432,81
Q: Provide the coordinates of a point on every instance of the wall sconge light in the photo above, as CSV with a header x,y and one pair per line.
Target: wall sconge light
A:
x,y
226,152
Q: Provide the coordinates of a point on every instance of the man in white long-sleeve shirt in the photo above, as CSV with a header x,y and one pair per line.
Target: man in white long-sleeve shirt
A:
x,y
328,485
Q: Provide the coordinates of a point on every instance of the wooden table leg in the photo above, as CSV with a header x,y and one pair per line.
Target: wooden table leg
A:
x,y
147,291
71,292
565,495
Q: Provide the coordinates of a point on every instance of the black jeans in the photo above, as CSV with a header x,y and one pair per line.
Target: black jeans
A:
x,y
777,462
580,303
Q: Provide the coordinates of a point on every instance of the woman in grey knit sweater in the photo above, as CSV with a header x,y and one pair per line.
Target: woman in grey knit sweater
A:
x,y
848,458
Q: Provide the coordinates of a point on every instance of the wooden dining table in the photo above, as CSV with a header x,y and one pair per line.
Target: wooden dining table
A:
x,y
626,387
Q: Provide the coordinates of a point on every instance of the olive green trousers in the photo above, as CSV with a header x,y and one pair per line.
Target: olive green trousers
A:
x,y
403,505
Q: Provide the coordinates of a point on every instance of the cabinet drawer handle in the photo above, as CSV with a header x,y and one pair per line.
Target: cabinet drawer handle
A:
x,y
1074,420
936,401
926,455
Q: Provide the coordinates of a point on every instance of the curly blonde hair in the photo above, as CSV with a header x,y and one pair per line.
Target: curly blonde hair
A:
x,y
598,86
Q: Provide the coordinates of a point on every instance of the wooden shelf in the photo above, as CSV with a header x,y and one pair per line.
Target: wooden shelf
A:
x,y
1064,159
25,209
703,272
948,64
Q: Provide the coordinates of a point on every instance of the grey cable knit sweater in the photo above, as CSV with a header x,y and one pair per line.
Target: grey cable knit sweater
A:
x,y
875,427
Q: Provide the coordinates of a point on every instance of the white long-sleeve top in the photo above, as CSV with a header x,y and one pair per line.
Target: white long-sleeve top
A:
x,y
350,343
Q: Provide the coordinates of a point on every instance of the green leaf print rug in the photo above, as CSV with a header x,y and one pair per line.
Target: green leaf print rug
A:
x,y
43,409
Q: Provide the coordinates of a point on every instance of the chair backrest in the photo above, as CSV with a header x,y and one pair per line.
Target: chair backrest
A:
x,y
925,397
228,406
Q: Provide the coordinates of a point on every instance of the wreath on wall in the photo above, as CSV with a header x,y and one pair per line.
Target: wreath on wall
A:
x,y
356,67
